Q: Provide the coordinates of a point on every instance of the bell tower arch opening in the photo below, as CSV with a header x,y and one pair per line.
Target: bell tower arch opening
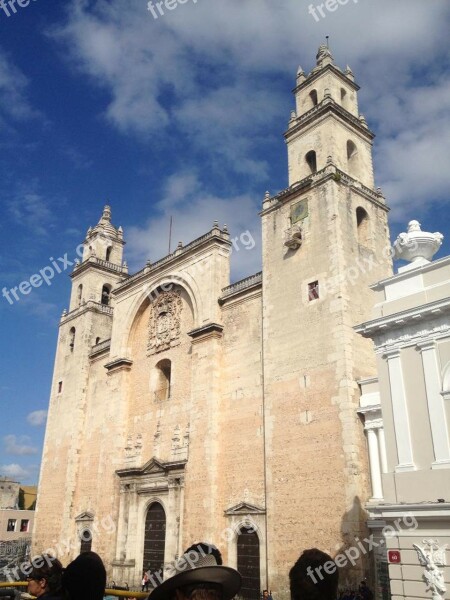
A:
x,y
311,161
363,226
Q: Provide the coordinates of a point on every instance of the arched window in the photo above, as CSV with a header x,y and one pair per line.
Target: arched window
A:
x,y
352,150
343,97
154,539
106,294
108,253
72,333
163,380
311,161
362,226
248,563
85,540
352,158
80,294
97,340
313,97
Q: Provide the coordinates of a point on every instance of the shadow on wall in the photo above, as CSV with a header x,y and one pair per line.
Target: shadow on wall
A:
x,y
354,556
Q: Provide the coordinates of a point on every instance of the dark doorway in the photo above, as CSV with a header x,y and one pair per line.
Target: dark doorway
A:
x,y
248,563
155,539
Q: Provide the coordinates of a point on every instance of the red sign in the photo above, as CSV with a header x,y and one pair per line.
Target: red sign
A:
x,y
394,556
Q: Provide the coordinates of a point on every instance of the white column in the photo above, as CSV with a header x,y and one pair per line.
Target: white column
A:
x,y
382,446
400,412
374,460
436,408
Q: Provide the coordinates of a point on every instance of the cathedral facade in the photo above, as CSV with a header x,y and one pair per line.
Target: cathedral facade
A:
x,y
185,408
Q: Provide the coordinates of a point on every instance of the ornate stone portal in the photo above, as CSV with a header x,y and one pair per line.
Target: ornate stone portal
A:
x,y
165,322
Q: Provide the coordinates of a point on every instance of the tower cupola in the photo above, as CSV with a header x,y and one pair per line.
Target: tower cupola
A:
x,y
104,241
326,127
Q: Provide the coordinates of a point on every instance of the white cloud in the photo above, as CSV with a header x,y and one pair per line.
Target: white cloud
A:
x,y
14,101
14,470
211,72
19,446
37,418
193,210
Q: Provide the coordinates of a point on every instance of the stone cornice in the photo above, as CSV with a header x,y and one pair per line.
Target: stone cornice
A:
x,y
375,327
100,265
431,510
152,467
317,74
206,331
119,364
244,285
90,305
328,173
215,236
328,105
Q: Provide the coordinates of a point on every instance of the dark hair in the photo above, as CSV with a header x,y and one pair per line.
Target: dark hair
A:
x,y
204,548
51,571
85,578
309,581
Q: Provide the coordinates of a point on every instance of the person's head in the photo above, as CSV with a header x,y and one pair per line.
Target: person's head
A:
x,y
85,578
199,575
308,579
45,575
204,548
265,593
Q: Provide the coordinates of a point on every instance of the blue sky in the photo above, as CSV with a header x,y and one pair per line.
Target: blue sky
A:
x,y
183,115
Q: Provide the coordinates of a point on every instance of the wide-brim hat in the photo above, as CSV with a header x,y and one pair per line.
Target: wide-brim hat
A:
x,y
205,570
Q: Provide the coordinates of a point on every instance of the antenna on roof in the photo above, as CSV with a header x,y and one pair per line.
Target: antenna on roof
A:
x,y
170,234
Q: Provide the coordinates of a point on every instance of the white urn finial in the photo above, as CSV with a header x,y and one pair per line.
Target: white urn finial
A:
x,y
417,247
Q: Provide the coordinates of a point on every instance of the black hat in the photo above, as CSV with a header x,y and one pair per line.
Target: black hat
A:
x,y
199,568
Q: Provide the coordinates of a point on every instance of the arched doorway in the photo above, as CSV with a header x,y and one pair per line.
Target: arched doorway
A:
x,y
85,541
155,539
248,563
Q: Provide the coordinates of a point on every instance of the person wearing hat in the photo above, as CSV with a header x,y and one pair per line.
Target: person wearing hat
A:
x,y
199,575
85,578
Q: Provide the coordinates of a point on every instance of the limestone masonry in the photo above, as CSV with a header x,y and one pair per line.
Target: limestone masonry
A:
x,y
184,408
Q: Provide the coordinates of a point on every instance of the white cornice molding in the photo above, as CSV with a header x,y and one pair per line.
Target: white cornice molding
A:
x,y
420,334
398,320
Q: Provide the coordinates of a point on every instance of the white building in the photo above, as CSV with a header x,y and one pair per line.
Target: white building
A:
x,y
407,416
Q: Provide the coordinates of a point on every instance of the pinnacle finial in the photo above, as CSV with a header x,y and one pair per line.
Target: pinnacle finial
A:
x,y
106,216
324,56
349,73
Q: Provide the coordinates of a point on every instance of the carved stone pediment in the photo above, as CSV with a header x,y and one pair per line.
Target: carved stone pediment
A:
x,y
244,508
164,326
85,516
152,467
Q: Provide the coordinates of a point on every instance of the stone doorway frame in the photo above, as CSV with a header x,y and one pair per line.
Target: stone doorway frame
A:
x,y
140,487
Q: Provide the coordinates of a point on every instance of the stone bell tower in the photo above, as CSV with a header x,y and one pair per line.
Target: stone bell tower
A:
x,y
325,239
82,331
